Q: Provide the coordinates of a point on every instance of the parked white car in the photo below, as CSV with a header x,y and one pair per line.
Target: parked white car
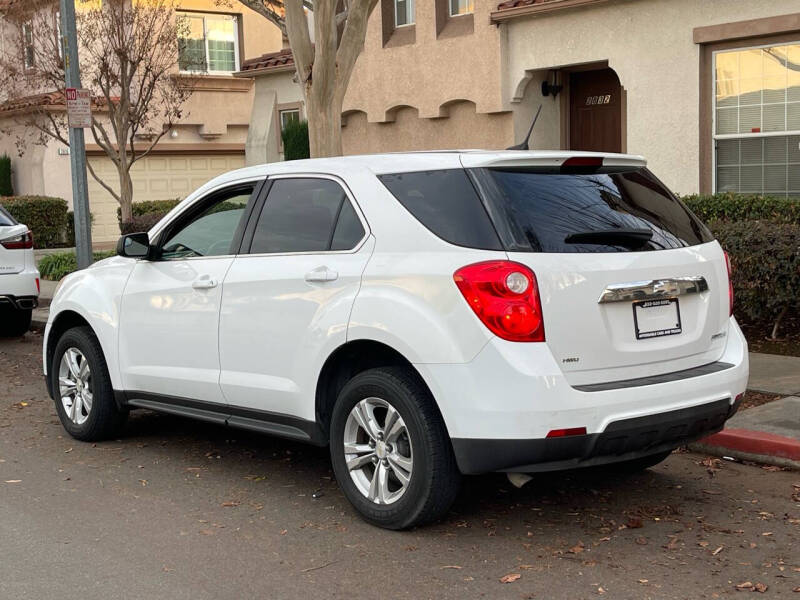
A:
x,y
424,314
19,278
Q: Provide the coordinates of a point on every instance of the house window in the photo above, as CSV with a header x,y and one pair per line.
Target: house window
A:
x,y
757,120
461,7
28,51
289,116
403,12
208,43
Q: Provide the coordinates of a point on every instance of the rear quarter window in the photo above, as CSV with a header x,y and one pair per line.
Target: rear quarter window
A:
x,y
445,202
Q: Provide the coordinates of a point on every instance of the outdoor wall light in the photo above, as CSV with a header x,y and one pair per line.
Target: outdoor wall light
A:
x,y
552,89
173,134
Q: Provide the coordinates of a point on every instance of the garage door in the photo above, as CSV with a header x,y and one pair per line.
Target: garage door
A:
x,y
160,177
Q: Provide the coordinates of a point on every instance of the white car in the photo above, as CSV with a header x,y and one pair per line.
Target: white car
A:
x,y
19,278
427,315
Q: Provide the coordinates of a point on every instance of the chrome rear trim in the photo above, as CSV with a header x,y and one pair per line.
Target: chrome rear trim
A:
x,y
656,288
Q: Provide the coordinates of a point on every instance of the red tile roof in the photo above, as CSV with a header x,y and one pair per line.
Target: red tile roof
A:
x,y
46,100
281,60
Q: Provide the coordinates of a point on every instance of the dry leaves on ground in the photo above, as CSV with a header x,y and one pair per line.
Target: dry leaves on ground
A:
x,y
511,577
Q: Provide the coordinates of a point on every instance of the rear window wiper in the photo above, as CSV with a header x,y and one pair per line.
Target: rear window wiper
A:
x,y
629,238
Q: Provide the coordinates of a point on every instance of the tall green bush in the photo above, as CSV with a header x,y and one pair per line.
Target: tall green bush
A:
x,y
743,207
45,216
6,187
295,140
55,266
146,207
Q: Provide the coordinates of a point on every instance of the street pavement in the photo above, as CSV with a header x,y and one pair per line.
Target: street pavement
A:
x,y
179,509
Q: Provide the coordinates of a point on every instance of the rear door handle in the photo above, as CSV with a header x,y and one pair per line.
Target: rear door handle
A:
x,y
204,282
322,274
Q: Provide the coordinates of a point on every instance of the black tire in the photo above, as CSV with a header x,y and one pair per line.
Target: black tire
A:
x,y
14,322
105,419
435,479
637,465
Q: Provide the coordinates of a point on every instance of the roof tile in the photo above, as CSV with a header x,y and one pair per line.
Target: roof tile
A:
x,y
273,60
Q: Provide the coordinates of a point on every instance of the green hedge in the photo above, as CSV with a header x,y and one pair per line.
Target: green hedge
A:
x,y
56,266
150,206
6,187
743,207
765,256
295,140
45,216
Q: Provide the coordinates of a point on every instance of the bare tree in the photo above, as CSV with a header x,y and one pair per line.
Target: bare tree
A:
x,y
129,55
324,67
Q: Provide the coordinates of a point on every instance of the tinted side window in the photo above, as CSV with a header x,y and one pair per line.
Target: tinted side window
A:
x,y
298,216
447,204
349,230
211,231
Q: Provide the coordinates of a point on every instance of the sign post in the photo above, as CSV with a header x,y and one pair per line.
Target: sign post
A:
x,y
79,116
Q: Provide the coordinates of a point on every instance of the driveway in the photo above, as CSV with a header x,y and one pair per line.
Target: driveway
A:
x,y
179,509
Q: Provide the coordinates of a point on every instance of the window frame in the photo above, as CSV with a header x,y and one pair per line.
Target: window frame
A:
x,y
255,215
197,206
412,12
450,12
28,26
236,39
715,137
279,108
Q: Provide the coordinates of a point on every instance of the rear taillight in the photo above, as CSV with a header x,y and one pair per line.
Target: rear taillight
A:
x,y
505,296
570,431
730,283
18,242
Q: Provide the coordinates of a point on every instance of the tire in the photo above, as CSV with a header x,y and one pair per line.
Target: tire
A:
x,y
14,322
637,465
434,477
101,418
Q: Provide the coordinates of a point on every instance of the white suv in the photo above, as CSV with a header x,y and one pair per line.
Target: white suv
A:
x,y
19,278
424,314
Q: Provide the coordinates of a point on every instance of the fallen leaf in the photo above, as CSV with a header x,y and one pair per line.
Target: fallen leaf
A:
x,y
672,544
510,577
767,533
761,587
284,531
13,480
451,567
143,482
229,503
68,450
634,523
717,551
643,581
207,532
746,585
577,548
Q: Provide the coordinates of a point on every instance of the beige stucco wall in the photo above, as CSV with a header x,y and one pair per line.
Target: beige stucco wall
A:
x,y
430,72
462,127
271,90
649,45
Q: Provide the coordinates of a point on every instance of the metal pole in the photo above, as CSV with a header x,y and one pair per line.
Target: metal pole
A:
x,y
77,145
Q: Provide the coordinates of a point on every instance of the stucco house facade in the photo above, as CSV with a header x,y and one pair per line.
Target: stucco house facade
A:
x,y
708,91
209,139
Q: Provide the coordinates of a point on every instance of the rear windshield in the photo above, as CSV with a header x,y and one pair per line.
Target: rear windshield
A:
x,y
628,211
5,218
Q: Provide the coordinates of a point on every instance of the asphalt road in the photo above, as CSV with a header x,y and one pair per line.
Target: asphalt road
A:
x,y
178,509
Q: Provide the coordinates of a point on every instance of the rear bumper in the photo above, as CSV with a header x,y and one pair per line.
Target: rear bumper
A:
x,y
19,302
499,408
19,285
621,440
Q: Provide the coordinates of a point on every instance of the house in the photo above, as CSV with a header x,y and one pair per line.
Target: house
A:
x,y
708,91
209,138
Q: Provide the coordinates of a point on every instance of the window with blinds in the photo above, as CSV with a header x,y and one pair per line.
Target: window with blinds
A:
x,y
757,120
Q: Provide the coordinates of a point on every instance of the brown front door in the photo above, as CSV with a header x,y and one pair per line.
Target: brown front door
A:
x,y
595,111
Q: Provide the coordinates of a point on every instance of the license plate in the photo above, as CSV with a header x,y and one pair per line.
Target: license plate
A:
x,y
656,318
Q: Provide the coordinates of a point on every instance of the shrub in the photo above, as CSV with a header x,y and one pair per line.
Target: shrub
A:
x,y
56,266
6,187
149,206
45,216
141,222
741,207
295,140
765,256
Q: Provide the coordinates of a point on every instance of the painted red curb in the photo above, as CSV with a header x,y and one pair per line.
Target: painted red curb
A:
x,y
755,442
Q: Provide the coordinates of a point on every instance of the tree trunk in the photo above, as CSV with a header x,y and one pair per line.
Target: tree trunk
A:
x,y
325,128
776,326
125,196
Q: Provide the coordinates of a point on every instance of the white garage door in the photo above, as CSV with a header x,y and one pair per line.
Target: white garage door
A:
x,y
160,177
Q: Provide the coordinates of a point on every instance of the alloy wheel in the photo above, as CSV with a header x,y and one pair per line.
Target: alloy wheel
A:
x,y
378,451
75,385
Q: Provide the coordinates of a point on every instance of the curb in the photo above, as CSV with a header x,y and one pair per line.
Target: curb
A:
x,y
758,446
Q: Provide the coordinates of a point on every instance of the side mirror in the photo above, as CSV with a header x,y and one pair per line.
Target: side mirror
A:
x,y
134,245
